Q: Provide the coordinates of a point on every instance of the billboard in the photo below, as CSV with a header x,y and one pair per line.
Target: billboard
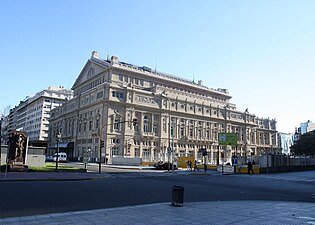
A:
x,y
228,139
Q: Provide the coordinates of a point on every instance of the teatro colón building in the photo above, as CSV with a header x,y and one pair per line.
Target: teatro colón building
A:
x,y
125,112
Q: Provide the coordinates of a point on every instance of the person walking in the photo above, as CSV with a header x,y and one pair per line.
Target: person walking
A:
x,y
250,167
205,168
189,165
195,166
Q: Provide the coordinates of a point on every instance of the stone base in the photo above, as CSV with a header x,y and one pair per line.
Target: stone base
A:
x,y
18,168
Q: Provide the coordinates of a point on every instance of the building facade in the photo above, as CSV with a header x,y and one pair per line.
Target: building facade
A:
x,y
285,142
172,117
303,129
33,113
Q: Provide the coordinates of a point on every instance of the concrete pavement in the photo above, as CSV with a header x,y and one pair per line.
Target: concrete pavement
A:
x,y
213,212
216,212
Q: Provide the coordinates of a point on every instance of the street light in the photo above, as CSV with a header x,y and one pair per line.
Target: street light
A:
x,y
102,144
169,131
58,136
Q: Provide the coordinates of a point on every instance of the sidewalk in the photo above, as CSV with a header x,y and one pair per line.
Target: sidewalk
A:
x,y
216,212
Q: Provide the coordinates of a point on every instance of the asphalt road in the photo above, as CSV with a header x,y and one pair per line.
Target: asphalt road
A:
x,y
31,198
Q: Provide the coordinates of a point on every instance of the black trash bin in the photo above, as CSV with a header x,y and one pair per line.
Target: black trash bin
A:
x,y
177,196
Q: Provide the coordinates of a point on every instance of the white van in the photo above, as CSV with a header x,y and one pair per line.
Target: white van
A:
x,y
62,157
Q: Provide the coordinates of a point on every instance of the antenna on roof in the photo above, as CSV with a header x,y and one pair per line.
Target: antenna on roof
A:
x,y
155,65
107,51
193,74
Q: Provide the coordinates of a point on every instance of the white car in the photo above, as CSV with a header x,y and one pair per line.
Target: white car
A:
x,y
62,157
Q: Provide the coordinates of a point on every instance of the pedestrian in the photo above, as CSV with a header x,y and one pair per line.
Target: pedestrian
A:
x,y
250,167
195,166
189,165
205,167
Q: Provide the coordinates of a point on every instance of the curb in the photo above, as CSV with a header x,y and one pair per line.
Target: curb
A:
x,y
52,179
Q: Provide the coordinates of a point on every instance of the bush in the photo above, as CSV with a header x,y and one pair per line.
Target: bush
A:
x,y
2,168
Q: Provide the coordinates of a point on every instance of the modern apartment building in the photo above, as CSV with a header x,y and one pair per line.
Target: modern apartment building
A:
x,y
33,113
170,113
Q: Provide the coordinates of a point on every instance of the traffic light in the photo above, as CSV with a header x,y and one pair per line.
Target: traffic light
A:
x,y
134,122
102,143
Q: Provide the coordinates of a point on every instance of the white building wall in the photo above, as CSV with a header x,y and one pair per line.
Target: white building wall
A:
x,y
130,92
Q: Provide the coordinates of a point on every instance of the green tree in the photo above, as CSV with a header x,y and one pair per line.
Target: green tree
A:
x,y
305,145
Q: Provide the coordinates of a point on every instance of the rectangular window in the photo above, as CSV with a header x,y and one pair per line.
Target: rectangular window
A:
x,y
117,123
182,131
99,95
90,125
155,130
97,124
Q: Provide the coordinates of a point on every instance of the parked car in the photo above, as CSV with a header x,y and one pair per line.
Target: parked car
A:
x,y
62,157
49,158
164,166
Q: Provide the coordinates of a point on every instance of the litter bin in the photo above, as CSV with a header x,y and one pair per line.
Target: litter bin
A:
x,y
177,196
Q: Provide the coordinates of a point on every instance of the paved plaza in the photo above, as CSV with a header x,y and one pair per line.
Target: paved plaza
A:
x,y
216,212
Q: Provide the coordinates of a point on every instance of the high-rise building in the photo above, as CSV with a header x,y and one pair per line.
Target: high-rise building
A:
x,y
143,113
285,142
33,113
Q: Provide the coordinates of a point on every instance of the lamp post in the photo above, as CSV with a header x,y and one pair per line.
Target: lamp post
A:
x,y
102,144
169,132
57,156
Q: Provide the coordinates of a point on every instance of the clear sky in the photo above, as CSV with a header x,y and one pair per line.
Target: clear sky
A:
x,y
261,51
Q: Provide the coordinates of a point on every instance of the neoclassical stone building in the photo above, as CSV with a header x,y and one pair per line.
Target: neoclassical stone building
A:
x,y
171,113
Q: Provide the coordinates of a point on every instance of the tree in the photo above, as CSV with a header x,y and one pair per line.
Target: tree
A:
x,y
305,145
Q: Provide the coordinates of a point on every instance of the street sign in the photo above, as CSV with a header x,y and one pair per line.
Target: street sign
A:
x,y
85,160
234,160
228,139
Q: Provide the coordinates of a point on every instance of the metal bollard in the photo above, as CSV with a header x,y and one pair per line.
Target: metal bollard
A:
x,y
177,196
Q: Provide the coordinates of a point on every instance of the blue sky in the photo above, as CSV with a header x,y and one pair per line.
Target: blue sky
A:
x,y
262,51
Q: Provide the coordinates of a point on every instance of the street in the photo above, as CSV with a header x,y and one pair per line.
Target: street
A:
x,y
125,189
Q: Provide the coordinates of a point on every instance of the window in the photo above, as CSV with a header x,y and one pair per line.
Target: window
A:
x,y
117,123
121,77
117,94
146,155
90,125
182,129
99,95
145,124
84,126
115,151
199,133
155,130
115,141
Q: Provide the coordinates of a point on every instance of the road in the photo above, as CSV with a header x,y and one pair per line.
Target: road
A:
x,y
125,189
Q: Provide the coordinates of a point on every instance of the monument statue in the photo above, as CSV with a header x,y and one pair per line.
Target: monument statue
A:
x,y
17,148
